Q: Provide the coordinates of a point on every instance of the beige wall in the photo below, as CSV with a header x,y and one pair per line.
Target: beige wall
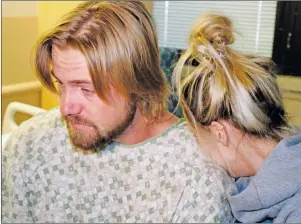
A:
x,y
19,33
149,6
291,87
18,36
19,8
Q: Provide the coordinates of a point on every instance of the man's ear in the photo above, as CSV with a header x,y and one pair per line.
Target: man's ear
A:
x,y
219,132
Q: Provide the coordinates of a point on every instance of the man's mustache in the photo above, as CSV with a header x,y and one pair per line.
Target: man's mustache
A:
x,y
78,120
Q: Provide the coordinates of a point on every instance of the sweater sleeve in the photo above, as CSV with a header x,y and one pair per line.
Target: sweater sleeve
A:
x,y
291,211
294,216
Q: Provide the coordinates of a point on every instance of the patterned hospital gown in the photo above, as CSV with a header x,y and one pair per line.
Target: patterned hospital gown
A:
x,y
164,179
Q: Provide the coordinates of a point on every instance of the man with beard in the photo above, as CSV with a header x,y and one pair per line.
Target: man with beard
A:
x,y
117,155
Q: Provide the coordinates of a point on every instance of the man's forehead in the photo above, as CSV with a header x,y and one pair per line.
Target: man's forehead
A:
x,y
67,58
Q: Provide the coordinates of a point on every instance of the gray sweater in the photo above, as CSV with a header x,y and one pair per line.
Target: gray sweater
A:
x,y
275,191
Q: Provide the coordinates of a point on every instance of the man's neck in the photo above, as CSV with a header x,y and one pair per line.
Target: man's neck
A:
x,y
140,130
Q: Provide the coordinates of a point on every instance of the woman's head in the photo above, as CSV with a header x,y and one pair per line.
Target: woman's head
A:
x,y
227,84
228,93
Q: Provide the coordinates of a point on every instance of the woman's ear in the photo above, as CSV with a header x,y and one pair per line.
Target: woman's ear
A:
x,y
219,131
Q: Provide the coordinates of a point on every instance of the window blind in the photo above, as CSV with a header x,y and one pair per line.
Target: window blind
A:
x,y
253,21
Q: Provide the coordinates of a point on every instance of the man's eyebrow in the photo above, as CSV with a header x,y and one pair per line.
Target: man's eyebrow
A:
x,y
80,82
77,82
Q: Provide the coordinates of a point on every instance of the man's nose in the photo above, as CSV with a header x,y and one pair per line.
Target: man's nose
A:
x,y
69,104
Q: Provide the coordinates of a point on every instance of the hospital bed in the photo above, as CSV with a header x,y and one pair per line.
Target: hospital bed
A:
x,y
9,123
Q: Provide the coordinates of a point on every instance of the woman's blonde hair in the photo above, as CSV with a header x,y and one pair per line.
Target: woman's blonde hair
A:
x,y
227,84
119,42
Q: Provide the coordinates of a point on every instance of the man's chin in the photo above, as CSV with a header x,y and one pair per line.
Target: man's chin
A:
x,y
88,144
80,139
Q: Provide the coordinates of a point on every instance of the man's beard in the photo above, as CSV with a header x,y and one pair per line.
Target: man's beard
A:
x,y
97,139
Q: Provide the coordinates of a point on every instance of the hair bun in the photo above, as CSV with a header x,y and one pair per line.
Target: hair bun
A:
x,y
214,29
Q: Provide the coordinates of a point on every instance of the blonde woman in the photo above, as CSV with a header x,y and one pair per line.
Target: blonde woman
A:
x,y
234,105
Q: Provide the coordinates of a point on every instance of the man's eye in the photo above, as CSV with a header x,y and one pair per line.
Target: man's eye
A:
x,y
87,91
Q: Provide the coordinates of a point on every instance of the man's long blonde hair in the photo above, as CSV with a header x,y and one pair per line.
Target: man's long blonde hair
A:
x,y
119,42
227,84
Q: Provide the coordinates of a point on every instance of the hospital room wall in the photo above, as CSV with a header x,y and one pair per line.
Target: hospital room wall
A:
x,y
19,33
